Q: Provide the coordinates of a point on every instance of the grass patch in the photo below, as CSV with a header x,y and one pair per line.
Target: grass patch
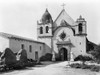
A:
x,y
84,66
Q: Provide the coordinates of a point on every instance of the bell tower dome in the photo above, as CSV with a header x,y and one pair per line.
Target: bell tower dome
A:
x,y
46,18
45,25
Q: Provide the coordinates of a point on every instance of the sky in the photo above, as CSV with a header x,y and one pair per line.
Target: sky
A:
x,y
19,17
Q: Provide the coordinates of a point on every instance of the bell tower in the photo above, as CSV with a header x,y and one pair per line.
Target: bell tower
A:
x,y
44,30
81,26
81,33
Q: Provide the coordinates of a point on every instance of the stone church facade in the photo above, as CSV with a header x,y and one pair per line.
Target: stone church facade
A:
x,y
64,37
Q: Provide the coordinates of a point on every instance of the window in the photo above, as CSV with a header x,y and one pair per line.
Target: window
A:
x,y
36,55
47,29
40,47
30,48
80,28
22,46
41,30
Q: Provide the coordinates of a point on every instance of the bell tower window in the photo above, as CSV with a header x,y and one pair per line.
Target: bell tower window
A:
x,y
80,27
41,30
47,29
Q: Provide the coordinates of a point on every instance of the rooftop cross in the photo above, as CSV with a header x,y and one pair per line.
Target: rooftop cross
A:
x,y
63,5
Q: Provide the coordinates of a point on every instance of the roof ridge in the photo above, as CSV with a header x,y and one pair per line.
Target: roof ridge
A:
x,y
8,35
61,13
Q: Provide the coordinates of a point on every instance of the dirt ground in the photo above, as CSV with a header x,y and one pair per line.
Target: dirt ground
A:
x,y
51,68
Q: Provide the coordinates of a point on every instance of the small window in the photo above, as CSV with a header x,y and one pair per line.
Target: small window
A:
x,y
41,30
36,55
80,28
47,29
40,47
30,48
22,46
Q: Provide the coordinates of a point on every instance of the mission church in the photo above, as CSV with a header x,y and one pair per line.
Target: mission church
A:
x,y
64,38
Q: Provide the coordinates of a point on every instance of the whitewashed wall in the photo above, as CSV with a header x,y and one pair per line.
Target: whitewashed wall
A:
x,y
48,44
79,46
15,45
4,43
78,42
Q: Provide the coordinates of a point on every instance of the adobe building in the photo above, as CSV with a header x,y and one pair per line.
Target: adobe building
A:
x,y
34,49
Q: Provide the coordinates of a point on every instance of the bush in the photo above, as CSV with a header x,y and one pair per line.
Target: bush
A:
x,y
19,65
30,64
46,57
83,58
86,66
58,59
77,65
95,68
31,60
43,58
83,66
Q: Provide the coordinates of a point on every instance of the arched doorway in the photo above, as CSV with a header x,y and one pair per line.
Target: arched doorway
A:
x,y
63,54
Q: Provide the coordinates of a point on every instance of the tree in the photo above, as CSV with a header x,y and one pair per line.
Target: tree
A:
x,y
96,53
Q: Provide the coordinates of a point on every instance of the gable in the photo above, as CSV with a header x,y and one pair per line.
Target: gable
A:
x,y
63,16
67,30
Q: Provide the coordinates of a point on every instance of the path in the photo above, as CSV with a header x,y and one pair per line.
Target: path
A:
x,y
56,69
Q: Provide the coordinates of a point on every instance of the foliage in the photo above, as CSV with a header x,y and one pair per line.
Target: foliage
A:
x,y
46,57
82,58
0,53
95,68
76,65
96,53
8,57
84,66
89,45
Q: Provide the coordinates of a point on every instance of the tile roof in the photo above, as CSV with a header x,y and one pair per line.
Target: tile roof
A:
x,y
11,36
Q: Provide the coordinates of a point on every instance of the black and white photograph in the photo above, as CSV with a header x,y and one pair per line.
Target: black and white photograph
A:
x,y
49,37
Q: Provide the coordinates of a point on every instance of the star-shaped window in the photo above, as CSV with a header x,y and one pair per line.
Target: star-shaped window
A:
x,y
62,35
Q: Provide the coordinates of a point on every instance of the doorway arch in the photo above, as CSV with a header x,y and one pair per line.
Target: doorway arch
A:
x,y
63,53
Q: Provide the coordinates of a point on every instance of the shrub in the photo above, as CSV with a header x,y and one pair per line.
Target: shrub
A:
x,y
19,65
96,53
43,58
82,58
46,57
57,57
95,68
86,66
83,66
30,64
49,56
31,60
77,65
